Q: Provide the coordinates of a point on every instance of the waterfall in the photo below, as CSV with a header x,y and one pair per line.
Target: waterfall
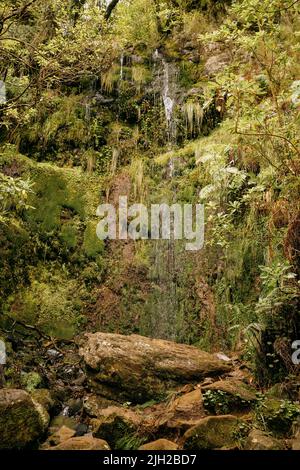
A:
x,y
162,307
121,66
168,101
87,112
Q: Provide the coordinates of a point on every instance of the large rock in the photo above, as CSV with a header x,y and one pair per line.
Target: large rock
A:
x,y
22,420
259,440
182,412
62,435
228,396
138,368
213,432
82,443
113,423
278,416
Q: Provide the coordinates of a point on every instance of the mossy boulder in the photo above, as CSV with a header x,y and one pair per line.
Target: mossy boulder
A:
x,y
22,420
214,432
43,397
278,416
227,396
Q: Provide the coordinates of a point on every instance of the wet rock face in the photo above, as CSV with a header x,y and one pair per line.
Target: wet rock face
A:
x,y
22,420
138,368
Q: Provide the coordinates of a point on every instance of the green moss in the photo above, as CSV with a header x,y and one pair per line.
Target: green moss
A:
x,y
52,303
31,380
69,235
92,246
213,432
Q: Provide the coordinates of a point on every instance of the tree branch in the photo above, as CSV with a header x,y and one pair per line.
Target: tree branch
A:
x,y
110,8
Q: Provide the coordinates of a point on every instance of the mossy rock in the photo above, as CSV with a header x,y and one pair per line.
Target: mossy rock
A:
x,y
277,416
43,397
226,396
214,432
22,421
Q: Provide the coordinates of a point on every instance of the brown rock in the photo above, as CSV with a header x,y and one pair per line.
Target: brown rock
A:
x,y
82,443
113,423
139,368
160,444
93,405
183,412
259,440
63,434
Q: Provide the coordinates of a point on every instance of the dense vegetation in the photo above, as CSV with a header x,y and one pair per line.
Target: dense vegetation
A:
x,y
84,122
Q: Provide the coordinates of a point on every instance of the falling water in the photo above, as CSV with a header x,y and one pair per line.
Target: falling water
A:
x,y
87,112
65,411
121,66
162,307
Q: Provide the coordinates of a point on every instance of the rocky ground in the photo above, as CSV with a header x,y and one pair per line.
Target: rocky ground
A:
x,y
108,391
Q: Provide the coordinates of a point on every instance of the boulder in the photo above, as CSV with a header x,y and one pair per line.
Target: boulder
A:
x,y
228,396
63,434
278,416
113,423
59,421
259,440
213,432
94,404
82,443
22,420
160,444
182,412
139,369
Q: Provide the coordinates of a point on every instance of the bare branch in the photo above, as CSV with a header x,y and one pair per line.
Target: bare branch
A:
x,y
110,8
